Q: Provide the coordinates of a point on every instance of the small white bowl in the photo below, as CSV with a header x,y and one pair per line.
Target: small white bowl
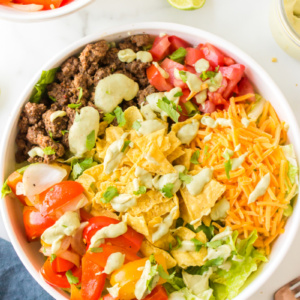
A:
x,y
12,211
13,14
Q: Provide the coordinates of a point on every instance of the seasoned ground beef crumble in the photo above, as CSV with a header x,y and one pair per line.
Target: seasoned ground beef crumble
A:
x,y
77,75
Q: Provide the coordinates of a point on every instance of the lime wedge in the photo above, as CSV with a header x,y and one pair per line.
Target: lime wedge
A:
x,y
187,4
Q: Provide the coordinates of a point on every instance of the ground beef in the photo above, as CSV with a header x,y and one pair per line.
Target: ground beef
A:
x,y
75,83
34,112
55,128
142,94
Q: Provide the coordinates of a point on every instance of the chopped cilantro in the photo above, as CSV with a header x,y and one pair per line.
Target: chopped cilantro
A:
x,y
109,117
110,193
52,257
80,93
63,132
208,74
195,157
52,98
126,144
183,76
167,190
152,259
198,244
46,78
65,226
75,105
71,278
185,178
49,151
178,94
120,116
228,166
96,250
90,140
136,125
5,190
142,190
169,108
79,166
178,55
179,242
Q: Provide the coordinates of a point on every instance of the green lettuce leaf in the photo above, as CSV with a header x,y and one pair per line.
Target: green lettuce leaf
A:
x,y
257,108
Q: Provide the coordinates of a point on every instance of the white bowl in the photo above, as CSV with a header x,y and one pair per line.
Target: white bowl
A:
x,y
13,14
11,209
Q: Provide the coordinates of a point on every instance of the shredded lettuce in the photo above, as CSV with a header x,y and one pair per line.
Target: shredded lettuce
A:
x,y
5,190
257,108
227,283
293,171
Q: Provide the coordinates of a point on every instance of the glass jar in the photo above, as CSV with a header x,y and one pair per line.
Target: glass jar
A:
x,y
282,30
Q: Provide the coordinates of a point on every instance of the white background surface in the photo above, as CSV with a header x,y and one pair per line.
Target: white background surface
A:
x,y
24,48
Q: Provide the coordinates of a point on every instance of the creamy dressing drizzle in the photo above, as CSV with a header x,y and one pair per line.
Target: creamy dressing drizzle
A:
x,y
198,182
211,123
123,202
36,151
237,162
114,290
57,114
147,112
114,262
162,72
201,65
150,126
260,188
188,132
207,138
144,177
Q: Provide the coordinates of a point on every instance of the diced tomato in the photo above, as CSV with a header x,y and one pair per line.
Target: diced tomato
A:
x,y
159,293
109,297
93,280
59,195
216,98
13,180
191,69
228,61
61,265
236,90
245,87
130,239
84,215
213,55
101,257
223,86
128,275
208,108
183,98
35,224
177,42
169,66
157,80
234,73
193,55
46,3
160,48
58,279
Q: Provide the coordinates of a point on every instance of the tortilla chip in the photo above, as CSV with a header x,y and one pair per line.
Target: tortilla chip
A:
x,y
86,181
95,171
185,159
113,133
147,249
175,154
157,137
102,126
163,243
98,210
101,148
187,259
177,126
174,143
134,154
131,114
156,162
138,223
195,207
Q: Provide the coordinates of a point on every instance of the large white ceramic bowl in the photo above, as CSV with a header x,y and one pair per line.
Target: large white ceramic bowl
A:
x,y
12,211
12,14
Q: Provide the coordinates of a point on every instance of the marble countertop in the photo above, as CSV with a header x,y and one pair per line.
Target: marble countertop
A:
x,y
25,47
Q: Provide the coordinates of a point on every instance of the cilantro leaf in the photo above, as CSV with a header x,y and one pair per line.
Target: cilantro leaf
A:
x,y
5,190
109,117
90,140
152,259
178,55
198,244
183,76
110,193
228,166
71,278
120,116
63,132
142,190
185,178
208,74
136,125
78,167
126,144
178,94
179,222
49,151
46,78
166,106
195,157
151,276
52,98
96,250
52,257
179,242
167,190
75,105
80,93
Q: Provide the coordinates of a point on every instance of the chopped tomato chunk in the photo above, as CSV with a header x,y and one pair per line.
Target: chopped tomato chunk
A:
x,y
157,80
177,42
213,55
159,293
245,87
61,265
160,48
193,55
47,3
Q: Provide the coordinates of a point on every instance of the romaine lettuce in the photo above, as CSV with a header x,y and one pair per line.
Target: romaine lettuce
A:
x,y
257,108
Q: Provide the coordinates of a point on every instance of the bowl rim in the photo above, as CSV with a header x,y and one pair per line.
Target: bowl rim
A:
x,y
9,13
121,30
